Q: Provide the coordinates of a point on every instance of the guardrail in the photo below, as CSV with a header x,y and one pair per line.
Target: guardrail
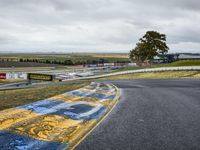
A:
x,y
144,70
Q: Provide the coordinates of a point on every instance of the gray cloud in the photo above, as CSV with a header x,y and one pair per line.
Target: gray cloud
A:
x,y
6,39
96,25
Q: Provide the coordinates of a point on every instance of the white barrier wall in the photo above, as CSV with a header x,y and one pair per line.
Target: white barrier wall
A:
x,y
145,70
23,75
132,64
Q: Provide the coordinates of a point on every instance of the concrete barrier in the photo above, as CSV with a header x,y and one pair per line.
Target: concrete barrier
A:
x,y
144,70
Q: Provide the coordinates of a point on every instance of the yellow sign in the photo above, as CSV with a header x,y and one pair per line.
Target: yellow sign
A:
x,y
45,77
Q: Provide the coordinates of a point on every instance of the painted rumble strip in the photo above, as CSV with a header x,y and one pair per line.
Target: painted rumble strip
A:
x,y
59,122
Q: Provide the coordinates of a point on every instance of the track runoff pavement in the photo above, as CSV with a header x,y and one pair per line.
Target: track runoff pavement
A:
x,y
59,122
152,114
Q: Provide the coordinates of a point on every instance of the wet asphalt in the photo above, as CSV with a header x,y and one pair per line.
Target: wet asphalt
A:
x,y
152,114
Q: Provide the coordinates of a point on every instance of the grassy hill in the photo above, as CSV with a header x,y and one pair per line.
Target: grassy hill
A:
x,y
74,58
183,63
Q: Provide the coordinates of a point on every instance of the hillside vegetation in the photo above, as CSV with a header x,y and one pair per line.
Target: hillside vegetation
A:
x,y
183,63
173,64
67,59
155,75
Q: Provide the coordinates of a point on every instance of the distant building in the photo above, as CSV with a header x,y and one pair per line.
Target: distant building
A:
x,y
167,58
9,59
186,56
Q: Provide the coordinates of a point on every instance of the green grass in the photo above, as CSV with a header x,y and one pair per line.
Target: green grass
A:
x,y
13,98
173,64
182,63
155,75
7,81
129,68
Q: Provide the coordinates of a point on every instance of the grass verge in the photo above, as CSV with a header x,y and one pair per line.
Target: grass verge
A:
x,y
179,63
13,98
182,63
7,81
155,75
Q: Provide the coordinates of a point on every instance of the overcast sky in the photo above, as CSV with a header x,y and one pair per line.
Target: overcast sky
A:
x,y
96,25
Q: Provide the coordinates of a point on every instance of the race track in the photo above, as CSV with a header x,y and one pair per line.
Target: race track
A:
x,y
151,115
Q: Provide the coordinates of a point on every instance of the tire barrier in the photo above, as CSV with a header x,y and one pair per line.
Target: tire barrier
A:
x,y
59,122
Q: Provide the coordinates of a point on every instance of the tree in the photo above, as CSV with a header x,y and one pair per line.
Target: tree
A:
x,y
47,61
101,61
68,62
150,45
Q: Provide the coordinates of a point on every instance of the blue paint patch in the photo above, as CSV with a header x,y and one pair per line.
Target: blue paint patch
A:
x,y
75,114
13,141
44,106
80,108
98,89
91,94
73,110
97,114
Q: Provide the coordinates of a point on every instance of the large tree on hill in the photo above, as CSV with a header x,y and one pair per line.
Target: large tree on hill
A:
x,y
150,45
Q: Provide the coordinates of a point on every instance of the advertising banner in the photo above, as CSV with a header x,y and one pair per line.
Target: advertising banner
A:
x,y
44,77
16,75
2,75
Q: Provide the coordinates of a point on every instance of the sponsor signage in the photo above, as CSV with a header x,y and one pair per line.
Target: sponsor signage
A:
x,y
16,75
36,76
2,75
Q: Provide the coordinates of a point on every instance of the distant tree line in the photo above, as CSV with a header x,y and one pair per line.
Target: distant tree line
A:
x,y
65,62
70,62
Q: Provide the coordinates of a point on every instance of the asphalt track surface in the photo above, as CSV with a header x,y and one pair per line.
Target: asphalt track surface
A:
x,y
151,115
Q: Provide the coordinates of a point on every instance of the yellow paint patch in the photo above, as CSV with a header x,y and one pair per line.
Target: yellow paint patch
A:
x,y
86,127
70,98
97,91
108,103
48,128
90,100
12,116
67,98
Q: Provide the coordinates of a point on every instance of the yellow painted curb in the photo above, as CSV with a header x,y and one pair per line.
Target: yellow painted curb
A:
x,y
116,99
